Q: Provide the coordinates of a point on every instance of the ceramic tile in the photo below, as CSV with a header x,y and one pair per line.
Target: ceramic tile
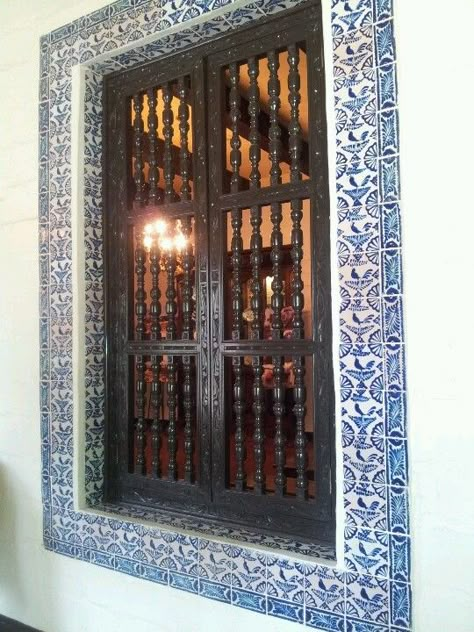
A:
x,y
285,579
325,589
285,610
371,334
388,132
353,625
248,569
365,459
398,510
394,367
249,600
397,461
390,226
352,15
386,87
395,414
361,416
392,319
321,620
362,366
367,552
360,322
215,564
366,505
353,51
214,590
367,599
400,558
384,43
392,274
383,9
389,180
400,602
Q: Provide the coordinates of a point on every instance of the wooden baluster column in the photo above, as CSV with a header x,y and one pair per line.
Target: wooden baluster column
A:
x,y
297,284
236,262
277,300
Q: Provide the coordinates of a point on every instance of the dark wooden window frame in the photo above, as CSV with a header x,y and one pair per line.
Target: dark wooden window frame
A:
x,y
310,519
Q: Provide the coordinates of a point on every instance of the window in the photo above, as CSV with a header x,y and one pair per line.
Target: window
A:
x,y
218,309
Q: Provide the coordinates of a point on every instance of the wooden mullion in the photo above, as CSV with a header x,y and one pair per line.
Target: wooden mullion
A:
x,y
153,148
323,377
138,144
266,195
268,347
203,334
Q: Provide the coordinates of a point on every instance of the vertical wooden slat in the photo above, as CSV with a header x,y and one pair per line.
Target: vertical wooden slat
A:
x,y
256,285
255,211
183,116
277,282
297,294
236,261
259,434
299,410
274,104
235,142
155,311
296,205
187,264
188,420
139,167
187,334
171,308
172,430
153,171
172,367
140,313
239,407
168,172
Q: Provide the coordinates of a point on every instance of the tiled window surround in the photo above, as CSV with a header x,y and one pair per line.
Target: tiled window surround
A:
x,y
368,589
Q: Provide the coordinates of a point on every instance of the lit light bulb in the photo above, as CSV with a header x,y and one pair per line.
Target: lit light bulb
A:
x,y
148,242
180,242
166,244
160,227
148,229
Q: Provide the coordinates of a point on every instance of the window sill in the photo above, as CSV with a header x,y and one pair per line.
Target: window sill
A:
x,y
311,552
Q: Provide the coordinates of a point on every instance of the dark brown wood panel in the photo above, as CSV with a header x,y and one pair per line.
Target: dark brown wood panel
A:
x,y
207,416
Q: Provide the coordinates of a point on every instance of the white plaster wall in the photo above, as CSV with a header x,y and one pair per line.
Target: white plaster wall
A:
x,y
434,47
49,591
435,77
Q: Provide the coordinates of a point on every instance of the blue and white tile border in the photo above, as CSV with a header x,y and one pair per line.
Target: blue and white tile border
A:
x,y
369,588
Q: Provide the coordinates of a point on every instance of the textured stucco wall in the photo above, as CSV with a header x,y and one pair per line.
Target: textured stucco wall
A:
x,y
435,97
58,594
49,591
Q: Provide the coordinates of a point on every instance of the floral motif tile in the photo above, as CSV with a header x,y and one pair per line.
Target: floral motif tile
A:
x,y
369,589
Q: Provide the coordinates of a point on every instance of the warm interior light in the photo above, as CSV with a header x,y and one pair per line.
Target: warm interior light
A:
x,y
160,227
180,242
166,244
159,230
148,242
268,289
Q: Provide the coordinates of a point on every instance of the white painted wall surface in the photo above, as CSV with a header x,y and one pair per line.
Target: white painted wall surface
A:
x,y
436,70
435,78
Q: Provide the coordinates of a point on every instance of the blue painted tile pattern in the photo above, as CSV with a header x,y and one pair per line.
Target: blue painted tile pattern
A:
x,y
369,589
